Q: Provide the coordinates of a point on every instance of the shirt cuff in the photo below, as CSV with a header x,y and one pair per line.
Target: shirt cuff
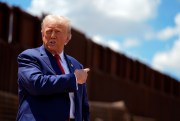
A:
x,y
76,82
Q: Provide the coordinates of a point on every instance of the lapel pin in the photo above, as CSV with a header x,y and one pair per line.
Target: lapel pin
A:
x,y
71,65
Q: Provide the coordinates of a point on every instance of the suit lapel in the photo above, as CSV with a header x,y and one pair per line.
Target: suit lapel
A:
x,y
70,64
47,58
72,69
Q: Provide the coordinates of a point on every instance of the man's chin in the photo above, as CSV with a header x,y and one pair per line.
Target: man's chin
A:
x,y
51,49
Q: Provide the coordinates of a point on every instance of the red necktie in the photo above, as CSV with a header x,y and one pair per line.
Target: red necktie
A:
x,y
57,57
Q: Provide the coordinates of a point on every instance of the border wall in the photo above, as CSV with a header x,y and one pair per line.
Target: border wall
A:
x,y
113,76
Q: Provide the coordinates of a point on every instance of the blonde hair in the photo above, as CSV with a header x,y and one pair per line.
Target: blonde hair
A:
x,y
60,19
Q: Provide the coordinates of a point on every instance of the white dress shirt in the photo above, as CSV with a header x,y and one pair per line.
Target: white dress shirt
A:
x,y
71,94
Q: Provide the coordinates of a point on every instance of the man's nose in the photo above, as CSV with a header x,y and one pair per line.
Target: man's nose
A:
x,y
53,34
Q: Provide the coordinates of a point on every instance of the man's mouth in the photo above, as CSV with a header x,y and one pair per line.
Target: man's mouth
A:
x,y
52,42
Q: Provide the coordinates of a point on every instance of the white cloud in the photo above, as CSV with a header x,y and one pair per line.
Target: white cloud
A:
x,y
166,33
100,16
168,60
138,10
170,32
129,42
98,39
39,7
113,44
177,20
116,45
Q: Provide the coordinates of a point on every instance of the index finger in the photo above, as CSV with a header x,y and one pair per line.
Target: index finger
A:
x,y
86,69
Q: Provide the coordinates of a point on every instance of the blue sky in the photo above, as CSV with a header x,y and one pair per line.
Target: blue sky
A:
x,y
146,30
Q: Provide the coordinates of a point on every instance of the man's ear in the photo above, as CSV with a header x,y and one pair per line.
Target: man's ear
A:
x,y
68,39
42,34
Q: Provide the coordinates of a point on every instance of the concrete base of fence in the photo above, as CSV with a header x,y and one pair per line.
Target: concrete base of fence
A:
x,y
8,106
140,118
100,111
116,111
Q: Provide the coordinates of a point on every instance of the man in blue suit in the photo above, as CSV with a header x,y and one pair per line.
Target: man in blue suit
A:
x,y
52,85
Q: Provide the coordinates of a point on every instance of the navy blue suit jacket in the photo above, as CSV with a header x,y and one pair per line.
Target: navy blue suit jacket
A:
x,y
44,91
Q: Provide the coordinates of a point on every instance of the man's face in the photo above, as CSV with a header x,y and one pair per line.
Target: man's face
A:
x,y
55,36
